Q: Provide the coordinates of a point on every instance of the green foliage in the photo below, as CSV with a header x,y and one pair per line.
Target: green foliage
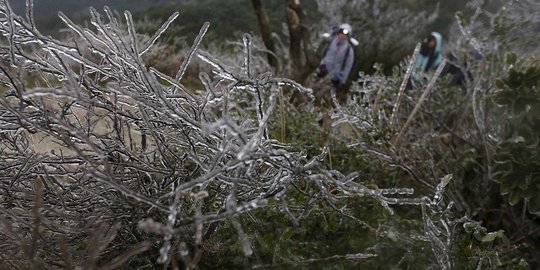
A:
x,y
479,248
46,11
518,156
238,15
324,238
49,8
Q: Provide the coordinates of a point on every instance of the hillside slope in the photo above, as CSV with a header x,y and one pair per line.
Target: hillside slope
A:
x,y
44,9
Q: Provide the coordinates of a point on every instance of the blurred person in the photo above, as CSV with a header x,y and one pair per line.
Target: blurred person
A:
x,y
429,57
459,66
337,59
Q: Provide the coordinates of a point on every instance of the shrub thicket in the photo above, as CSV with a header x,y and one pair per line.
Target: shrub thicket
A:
x,y
109,160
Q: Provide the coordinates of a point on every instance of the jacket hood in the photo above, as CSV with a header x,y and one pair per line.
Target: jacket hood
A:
x,y
438,39
347,27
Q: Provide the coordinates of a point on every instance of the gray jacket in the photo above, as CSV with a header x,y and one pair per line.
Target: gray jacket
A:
x,y
337,60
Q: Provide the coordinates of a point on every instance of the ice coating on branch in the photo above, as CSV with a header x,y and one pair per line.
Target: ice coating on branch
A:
x,y
181,160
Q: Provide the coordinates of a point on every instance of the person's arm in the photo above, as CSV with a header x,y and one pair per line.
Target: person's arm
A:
x,y
419,66
322,69
437,61
348,66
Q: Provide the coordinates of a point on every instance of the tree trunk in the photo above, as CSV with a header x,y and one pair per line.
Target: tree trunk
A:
x,y
266,32
303,58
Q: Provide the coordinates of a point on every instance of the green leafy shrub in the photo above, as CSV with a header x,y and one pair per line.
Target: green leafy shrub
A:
x,y
518,154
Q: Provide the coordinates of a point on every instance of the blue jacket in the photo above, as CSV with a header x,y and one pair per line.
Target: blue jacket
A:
x,y
423,63
338,59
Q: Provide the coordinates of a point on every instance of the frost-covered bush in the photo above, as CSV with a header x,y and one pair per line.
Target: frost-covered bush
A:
x,y
107,162
110,160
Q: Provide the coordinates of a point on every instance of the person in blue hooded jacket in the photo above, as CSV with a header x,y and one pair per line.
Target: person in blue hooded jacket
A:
x,y
338,57
430,55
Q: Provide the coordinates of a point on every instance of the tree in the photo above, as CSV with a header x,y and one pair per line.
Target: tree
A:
x,y
301,54
266,33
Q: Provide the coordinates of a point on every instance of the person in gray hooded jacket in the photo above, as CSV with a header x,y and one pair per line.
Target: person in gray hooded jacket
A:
x,y
338,57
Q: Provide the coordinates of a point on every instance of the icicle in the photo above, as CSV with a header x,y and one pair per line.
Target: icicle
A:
x,y
193,49
30,13
244,241
12,30
421,100
440,189
174,82
71,24
219,68
247,55
399,191
96,21
158,33
131,32
410,68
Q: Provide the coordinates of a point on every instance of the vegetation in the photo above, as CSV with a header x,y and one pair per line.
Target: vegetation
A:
x,y
118,151
46,11
237,13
